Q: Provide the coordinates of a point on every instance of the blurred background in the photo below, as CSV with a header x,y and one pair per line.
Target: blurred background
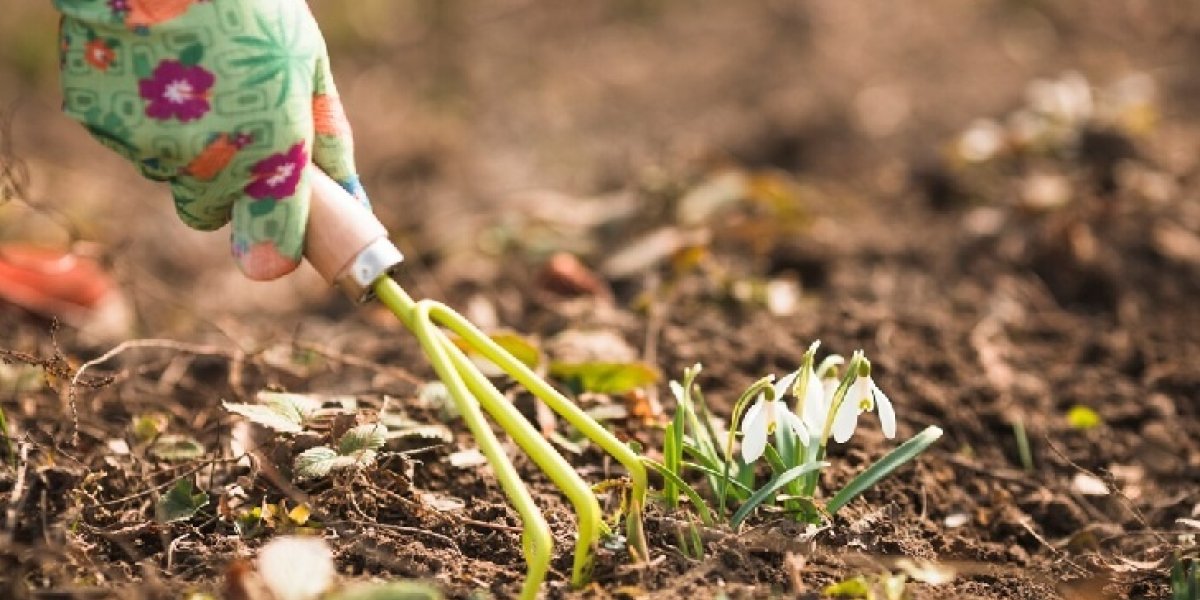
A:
x,y
996,199
478,123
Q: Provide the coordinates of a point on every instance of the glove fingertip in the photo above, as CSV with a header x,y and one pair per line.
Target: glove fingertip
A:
x,y
262,261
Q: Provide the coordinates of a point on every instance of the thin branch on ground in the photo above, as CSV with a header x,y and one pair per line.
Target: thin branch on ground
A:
x,y
360,362
1112,488
158,344
171,482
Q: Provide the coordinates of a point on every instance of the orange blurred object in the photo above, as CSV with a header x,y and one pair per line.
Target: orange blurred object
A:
x,y
51,282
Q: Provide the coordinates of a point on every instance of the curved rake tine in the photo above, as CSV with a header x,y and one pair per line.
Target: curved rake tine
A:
x,y
587,507
536,538
453,366
559,404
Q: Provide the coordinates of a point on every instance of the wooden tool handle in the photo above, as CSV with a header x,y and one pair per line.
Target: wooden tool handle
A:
x,y
339,227
345,243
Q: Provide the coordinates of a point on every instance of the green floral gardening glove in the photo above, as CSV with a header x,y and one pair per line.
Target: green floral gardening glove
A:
x,y
225,99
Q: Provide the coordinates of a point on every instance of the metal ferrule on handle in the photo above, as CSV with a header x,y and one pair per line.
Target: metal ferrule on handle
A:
x,y
344,242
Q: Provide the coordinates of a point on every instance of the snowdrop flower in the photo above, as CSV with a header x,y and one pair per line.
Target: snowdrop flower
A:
x,y
863,396
815,398
764,416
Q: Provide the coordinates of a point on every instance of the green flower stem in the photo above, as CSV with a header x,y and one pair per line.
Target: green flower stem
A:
x,y
815,452
448,360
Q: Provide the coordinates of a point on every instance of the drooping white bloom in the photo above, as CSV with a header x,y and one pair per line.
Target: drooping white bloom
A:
x,y
764,416
863,396
815,398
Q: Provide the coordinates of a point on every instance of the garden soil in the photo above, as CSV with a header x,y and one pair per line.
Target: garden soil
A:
x,y
735,180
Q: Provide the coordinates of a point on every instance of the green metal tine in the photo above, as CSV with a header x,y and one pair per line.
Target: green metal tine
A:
x,y
471,390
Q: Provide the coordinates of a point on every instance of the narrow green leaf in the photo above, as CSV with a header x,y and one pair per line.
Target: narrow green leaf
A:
x,y
697,542
697,501
737,485
10,452
1023,448
671,463
778,467
180,503
896,458
708,433
770,488
690,448
1185,579
673,444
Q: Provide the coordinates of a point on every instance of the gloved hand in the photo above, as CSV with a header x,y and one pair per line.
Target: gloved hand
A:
x,y
228,100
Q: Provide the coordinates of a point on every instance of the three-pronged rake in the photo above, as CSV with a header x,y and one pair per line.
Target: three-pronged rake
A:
x,y
349,247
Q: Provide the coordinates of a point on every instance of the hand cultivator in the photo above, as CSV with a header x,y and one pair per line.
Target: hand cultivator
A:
x,y
349,247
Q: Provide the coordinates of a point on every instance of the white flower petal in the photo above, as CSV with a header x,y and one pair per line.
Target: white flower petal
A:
x,y
860,392
813,406
887,413
676,390
846,420
783,387
795,423
754,432
752,412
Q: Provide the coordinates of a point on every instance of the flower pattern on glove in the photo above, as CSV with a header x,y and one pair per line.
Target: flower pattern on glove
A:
x,y
176,90
276,176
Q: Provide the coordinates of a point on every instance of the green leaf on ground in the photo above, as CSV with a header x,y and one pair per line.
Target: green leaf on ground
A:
x,y
181,503
315,462
605,377
371,436
320,461
285,413
175,447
